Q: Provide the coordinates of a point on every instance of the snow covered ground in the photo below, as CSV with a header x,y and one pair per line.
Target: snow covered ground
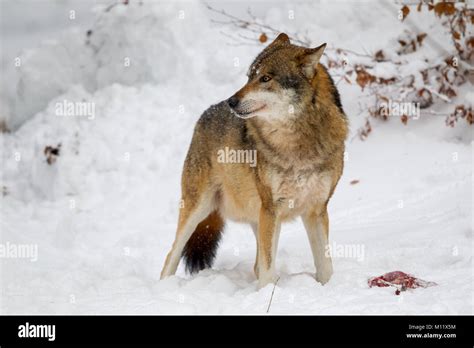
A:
x,y
103,213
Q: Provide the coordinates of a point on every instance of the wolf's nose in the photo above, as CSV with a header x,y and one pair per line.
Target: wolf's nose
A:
x,y
233,101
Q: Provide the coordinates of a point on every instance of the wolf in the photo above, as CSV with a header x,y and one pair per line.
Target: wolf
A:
x,y
290,113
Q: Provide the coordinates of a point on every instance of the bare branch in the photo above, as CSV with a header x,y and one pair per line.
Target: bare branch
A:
x,y
271,298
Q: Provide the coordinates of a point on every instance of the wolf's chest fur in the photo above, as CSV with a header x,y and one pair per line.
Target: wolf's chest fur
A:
x,y
293,192
295,176
297,182
297,189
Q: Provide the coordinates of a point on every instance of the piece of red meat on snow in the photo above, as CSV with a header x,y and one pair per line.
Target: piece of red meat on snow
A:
x,y
400,280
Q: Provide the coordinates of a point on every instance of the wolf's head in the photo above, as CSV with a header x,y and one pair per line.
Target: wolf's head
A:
x,y
279,81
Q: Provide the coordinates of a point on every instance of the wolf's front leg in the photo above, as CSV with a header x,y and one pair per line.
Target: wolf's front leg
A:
x,y
317,227
268,234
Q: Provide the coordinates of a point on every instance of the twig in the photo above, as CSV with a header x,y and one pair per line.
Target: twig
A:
x,y
271,298
253,26
441,96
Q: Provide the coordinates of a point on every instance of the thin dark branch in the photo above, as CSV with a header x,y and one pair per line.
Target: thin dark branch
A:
x,y
271,298
254,26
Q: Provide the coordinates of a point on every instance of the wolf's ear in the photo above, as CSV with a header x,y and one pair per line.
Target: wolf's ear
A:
x,y
310,59
281,39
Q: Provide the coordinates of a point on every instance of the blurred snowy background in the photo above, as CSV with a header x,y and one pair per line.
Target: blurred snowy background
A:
x,y
98,192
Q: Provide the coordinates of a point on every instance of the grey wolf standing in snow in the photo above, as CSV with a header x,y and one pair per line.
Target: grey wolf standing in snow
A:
x,y
285,130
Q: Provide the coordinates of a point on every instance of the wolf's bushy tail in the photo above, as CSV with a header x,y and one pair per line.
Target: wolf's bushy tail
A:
x,y
200,250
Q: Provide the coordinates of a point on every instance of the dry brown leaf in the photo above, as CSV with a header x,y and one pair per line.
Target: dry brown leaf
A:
x,y
363,77
405,11
421,37
404,119
444,8
379,56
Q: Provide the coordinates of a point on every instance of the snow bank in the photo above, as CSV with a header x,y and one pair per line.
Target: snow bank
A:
x,y
155,42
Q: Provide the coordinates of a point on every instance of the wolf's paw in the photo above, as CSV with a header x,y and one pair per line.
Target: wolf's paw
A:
x,y
323,276
265,280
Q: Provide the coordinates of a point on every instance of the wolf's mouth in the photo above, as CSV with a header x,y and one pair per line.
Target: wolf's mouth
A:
x,y
243,114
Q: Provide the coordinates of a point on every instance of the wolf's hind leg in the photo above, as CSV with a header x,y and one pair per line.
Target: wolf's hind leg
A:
x,y
317,226
190,215
255,232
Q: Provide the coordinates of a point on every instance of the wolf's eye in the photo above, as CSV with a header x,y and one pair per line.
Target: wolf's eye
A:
x,y
265,78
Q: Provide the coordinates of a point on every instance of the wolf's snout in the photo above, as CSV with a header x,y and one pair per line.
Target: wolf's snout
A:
x,y
233,101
